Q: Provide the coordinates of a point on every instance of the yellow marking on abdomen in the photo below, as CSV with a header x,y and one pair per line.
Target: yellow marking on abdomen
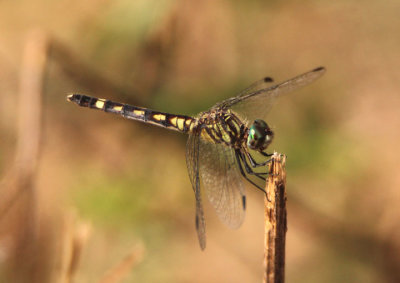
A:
x,y
159,117
100,103
117,108
180,123
138,112
173,121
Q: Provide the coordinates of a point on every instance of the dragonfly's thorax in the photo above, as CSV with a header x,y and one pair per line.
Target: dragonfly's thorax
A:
x,y
222,126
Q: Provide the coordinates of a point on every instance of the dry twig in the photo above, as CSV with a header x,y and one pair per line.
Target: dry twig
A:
x,y
275,221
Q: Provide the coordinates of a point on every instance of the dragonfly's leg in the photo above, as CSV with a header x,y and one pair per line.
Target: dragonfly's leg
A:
x,y
238,158
263,173
269,155
259,174
246,165
239,155
266,154
249,170
253,163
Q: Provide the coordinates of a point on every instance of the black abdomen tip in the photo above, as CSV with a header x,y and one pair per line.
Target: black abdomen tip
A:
x,y
74,97
80,99
70,97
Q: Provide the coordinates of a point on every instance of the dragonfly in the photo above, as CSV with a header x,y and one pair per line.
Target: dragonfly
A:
x,y
226,145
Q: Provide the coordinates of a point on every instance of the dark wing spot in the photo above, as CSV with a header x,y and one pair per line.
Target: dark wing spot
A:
x,y
244,202
268,80
318,69
197,221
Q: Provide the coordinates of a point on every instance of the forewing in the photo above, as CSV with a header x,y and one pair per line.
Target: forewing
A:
x,y
192,162
222,182
255,104
256,86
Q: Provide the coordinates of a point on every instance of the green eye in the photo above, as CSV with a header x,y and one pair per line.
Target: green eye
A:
x,y
252,132
260,135
253,137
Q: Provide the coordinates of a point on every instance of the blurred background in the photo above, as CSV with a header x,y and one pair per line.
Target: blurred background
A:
x,y
91,197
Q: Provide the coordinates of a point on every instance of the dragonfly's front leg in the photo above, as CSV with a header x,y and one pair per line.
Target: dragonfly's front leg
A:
x,y
248,168
238,155
266,154
241,157
253,163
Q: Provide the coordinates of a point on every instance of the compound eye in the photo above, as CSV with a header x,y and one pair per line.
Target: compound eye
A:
x,y
256,137
260,135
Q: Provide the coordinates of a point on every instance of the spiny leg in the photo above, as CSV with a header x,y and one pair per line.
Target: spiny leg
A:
x,y
249,170
239,155
253,163
269,160
266,154
238,159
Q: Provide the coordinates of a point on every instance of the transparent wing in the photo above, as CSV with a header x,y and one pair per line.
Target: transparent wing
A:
x,y
223,182
256,86
255,103
192,162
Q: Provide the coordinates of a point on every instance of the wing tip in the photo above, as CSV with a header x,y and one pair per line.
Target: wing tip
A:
x,y
200,232
268,80
319,69
203,245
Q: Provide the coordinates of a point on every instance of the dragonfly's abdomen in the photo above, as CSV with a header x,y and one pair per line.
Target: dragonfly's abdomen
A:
x,y
174,122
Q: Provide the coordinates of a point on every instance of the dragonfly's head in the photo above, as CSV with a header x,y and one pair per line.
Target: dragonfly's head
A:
x,y
260,135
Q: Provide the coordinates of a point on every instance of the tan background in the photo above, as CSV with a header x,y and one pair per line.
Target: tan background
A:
x,y
121,188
